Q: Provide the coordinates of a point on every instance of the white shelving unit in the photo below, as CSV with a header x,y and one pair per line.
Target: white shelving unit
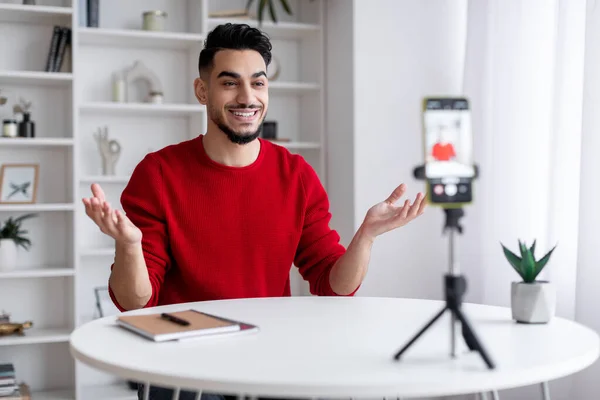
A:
x,y
54,283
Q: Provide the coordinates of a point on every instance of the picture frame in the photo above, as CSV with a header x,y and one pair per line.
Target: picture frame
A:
x,y
19,183
104,304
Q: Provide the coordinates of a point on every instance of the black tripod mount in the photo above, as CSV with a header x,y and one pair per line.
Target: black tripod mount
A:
x,y
455,286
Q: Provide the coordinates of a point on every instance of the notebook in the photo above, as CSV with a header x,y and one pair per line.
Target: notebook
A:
x,y
161,327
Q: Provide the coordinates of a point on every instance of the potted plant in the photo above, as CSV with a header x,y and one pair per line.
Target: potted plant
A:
x,y
532,301
12,236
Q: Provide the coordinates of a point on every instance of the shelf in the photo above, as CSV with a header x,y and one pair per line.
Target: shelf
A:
x,y
34,14
147,109
293,87
279,30
35,77
37,336
37,207
53,395
297,145
101,251
139,38
105,179
38,272
36,142
106,392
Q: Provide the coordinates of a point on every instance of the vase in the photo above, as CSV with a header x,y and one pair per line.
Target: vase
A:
x,y
8,255
533,303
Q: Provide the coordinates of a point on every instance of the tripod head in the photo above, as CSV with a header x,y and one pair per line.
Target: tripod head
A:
x,y
453,215
453,212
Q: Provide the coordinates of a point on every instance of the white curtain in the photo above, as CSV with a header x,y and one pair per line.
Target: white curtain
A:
x,y
534,90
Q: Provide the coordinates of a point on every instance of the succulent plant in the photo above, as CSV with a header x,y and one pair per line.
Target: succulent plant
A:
x,y
12,230
526,265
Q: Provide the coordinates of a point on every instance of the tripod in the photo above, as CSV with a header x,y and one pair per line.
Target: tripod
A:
x,y
455,286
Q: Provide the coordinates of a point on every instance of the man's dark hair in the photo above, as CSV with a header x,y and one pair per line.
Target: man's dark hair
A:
x,y
234,37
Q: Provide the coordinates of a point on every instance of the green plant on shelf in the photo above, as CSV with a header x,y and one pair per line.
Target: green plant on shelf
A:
x,y
263,4
12,230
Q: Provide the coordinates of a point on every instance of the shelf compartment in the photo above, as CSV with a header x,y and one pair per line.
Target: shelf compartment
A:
x,y
36,142
139,38
293,87
35,77
298,145
280,30
105,392
37,336
147,109
105,179
100,251
37,272
54,395
34,14
37,207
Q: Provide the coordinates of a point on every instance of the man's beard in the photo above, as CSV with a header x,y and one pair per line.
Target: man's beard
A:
x,y
233,136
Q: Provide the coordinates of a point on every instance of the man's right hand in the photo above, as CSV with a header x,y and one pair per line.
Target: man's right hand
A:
x,y
111,222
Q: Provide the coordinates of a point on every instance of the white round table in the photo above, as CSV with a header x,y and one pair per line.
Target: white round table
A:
x,y
341,347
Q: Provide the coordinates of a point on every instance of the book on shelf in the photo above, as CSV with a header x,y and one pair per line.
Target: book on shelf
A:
x,y
60,41
89,13
181,325
9,389
21,393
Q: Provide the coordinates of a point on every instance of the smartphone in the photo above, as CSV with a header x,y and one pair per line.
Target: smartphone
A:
x,y
448,148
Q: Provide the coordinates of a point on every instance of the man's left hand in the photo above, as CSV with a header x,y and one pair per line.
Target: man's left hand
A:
x,y
386,216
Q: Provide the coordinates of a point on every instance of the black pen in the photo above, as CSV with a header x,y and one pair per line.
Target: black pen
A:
x,y
175,319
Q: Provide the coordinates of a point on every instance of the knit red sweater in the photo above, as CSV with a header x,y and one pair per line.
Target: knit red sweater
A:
x,y
216,232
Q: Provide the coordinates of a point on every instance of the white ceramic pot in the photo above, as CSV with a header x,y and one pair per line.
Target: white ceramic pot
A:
x,y
533,303
8,255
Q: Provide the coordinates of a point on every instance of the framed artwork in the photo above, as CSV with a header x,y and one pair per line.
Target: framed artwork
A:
x,y
18,183
104,305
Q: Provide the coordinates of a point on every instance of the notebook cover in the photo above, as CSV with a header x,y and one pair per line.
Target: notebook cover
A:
x,y
156,328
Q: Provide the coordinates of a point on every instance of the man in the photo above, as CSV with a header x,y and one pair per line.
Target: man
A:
x,y
226,214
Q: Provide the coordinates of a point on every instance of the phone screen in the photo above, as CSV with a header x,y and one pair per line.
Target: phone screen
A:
x,y
448,140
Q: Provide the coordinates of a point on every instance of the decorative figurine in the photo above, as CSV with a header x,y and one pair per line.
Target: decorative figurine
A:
x,y
123,79
11,328
110,150
4,316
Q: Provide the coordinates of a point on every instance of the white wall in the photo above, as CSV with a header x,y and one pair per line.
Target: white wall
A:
x,y
587,385
401,52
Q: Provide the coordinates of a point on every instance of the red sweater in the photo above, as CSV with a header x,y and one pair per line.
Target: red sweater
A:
x,y
216,232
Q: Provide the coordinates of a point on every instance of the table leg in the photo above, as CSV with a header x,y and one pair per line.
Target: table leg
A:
x,y
147,391
176,394
495,395
545,391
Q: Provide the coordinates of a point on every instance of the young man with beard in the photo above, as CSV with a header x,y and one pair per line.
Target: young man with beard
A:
x,y
226,214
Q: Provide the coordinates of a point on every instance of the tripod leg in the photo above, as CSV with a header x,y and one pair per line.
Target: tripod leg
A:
x,y
414,339
472,339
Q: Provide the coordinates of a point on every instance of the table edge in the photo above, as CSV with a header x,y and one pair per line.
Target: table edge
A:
x,y
539,375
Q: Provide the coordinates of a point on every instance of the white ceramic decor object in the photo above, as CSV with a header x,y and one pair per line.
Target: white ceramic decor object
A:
x,y
8,255
533,302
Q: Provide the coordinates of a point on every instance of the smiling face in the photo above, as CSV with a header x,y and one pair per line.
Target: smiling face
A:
x,y
235,92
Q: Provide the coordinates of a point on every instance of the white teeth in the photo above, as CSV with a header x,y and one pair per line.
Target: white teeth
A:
x,y
241,114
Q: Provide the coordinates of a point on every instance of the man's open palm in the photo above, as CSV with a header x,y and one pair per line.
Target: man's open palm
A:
x,y
386,216
111,222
